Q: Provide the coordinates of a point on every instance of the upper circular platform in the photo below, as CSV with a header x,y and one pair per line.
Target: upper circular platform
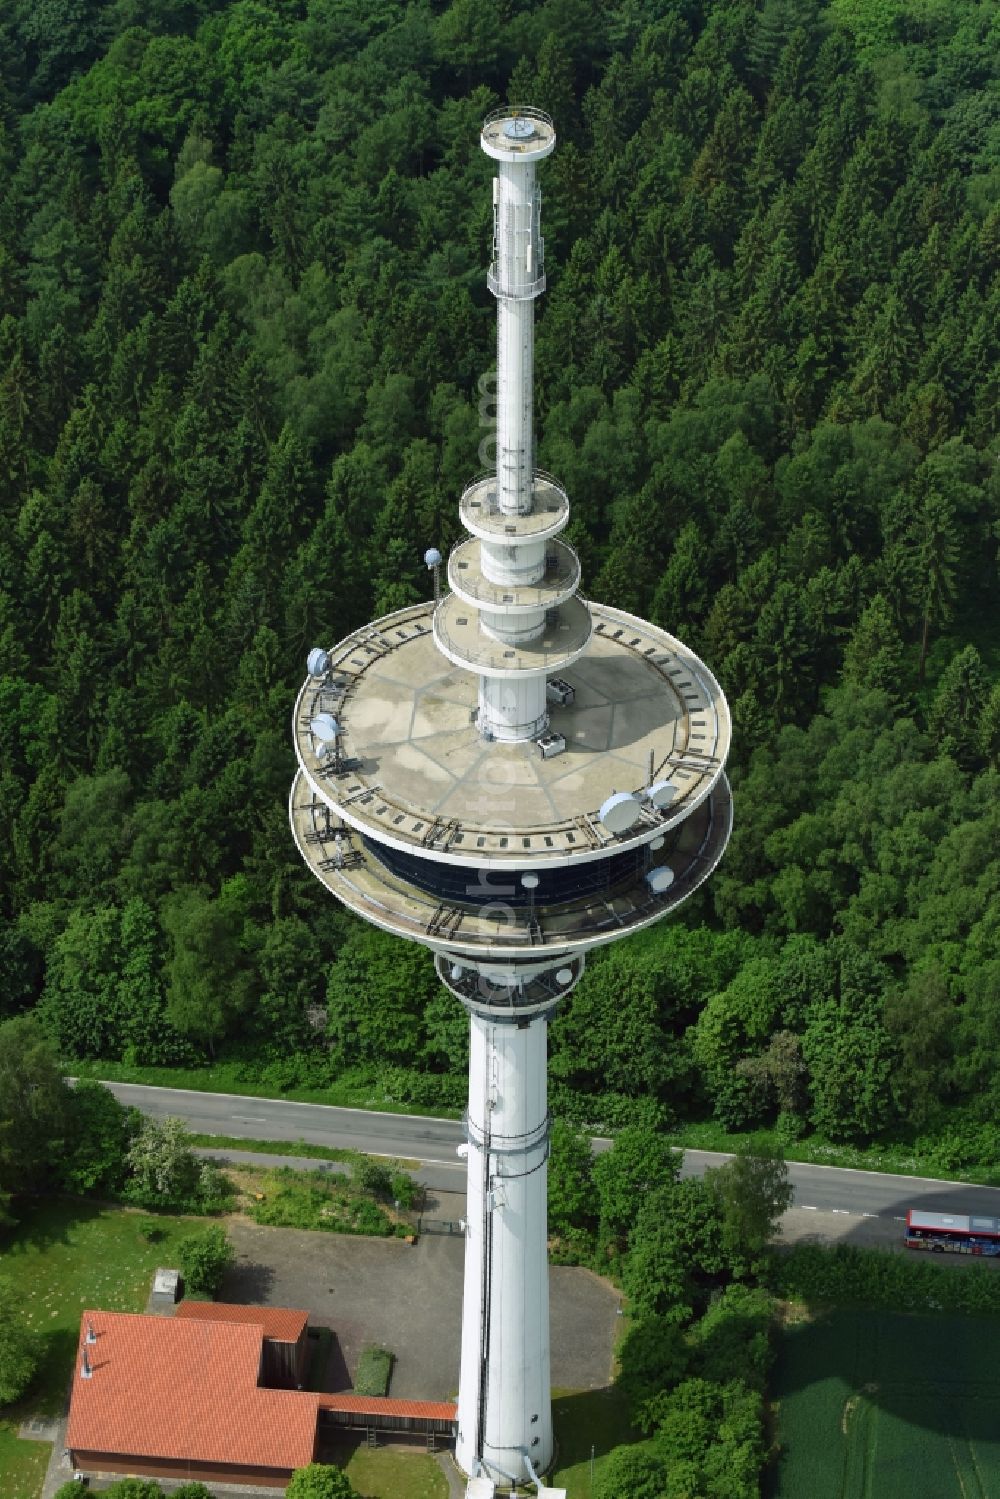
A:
x,y
518,134
480,513
458,636
415,774
469,582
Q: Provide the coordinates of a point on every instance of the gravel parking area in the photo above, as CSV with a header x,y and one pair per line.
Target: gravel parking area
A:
x,y
409,1298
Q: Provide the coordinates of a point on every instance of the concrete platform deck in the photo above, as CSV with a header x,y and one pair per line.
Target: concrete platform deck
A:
x,y
480,514
459,636
560,581
422,778
501,932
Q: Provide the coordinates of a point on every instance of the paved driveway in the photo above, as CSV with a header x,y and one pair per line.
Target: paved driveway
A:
x,y
409,1298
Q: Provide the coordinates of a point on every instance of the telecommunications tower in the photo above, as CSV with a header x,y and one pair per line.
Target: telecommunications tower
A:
x,y
510,775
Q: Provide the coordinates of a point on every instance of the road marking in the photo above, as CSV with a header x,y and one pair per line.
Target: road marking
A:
x,y
806,1208
897,1219
869,1215
248,1119
846,1211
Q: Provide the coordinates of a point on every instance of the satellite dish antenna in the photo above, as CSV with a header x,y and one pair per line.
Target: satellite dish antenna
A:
x,y
564,976
456,971
657,843
317,662
661,793
325,728
660,879
529,881
620,812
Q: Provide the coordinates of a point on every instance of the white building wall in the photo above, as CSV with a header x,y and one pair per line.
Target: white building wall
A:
x,y
504,1402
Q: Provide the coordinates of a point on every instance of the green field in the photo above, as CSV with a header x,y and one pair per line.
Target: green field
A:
x,y
883,1405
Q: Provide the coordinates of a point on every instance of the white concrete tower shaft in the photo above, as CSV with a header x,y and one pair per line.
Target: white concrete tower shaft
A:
x,y
504,1403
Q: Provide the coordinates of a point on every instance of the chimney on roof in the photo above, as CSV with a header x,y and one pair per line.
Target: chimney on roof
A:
x,y
86,1372
91,1334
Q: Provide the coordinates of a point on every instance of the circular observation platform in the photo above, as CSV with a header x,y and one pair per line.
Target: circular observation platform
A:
x,y
497,931
459,636
480,513
469,583
518,134
414,774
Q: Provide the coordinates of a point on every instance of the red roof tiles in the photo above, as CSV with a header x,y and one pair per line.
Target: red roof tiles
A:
x,y
280,1323
380,1405
185,1388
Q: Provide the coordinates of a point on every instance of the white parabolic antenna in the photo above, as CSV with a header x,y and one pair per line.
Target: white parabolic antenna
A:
x,y
564,976
620,812
317,661
432,557
660,879
325,728
661,793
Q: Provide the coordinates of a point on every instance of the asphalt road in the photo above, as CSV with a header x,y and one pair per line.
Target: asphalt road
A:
x,y
432,1142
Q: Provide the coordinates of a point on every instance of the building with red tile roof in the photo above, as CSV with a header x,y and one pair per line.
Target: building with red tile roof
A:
x,y
183,1397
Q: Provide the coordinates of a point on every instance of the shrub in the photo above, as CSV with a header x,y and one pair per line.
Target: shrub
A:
x,y
632,1473
374,1368
320,1481
164,1169
204,1259
371,1176
404,1190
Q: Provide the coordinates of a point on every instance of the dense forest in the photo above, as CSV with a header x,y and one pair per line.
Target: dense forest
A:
x,y
245,325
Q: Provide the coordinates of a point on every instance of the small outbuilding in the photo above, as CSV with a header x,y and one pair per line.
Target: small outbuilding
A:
x,y
166,1287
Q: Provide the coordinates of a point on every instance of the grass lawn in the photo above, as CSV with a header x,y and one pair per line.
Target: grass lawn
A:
x,y
390,1472
585,1419
885,1405
22,1464
62,1257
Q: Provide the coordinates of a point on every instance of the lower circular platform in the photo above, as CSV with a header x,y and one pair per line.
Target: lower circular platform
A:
x,y
500,931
